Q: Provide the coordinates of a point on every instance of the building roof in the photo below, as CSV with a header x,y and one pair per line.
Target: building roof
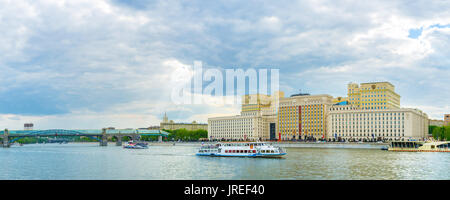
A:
x,y
300,94
378,82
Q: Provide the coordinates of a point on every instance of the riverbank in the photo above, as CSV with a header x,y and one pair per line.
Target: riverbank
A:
x,y
331,145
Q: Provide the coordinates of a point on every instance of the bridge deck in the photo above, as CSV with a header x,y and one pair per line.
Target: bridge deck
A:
x,y
84,132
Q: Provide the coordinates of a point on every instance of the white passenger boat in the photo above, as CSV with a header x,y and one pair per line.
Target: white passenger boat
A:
x,y
420,146
241,149
135,145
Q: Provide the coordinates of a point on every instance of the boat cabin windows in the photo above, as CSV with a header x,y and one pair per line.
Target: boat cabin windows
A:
x,y
240,151
207,150
269,151
240,144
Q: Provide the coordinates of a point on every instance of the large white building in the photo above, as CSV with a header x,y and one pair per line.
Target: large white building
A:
x,y
347,122
256,122
371,112
240,127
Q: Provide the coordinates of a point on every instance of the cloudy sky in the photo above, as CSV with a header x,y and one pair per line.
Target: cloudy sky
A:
x,y
94,64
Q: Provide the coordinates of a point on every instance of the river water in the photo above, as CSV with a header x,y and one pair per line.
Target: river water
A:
x,y
89,161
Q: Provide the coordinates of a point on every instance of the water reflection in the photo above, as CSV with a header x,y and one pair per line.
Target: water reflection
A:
x,y
88,161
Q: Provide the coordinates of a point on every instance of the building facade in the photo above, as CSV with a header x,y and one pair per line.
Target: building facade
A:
x,y
167,124
447,119
373,95
350,123
240,127
257,120
302,116
436,122
371,112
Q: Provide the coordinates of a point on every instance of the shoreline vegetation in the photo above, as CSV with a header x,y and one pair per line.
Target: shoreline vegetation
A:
x,y
440,132
183,135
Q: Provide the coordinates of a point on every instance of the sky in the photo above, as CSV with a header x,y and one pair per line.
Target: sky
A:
x,y
94,64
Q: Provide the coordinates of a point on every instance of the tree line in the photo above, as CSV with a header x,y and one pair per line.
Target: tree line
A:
x,y
440,132
186,135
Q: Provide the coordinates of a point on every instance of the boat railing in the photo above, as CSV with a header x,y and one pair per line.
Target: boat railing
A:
x,y
209,147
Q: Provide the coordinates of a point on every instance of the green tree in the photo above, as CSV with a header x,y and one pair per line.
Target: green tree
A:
x,y
447,132
441,133
186,135
431,128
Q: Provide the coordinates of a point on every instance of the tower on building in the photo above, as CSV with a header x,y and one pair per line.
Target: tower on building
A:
x,y
165,118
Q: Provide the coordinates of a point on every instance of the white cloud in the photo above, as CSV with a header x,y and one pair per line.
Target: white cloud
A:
x,y
114,61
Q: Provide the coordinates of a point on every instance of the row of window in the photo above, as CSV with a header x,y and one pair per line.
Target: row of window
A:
x,y
370,135
240,151
364,118
248,151
374,130
365,123
369,114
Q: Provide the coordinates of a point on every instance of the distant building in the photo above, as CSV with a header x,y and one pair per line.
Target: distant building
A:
x,y
28,126
436,122
447,119
154,128
373,95
171,125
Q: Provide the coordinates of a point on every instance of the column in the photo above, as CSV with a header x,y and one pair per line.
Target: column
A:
x,y
104,138
136,137
6,139
119,140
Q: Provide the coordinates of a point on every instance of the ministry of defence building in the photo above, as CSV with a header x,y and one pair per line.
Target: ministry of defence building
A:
x,y
370,112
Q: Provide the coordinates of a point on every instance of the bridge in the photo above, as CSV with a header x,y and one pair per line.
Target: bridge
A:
x,y
101,135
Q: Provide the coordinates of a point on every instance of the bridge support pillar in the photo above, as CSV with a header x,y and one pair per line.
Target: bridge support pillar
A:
x,y
119,141
104,138
160,138
6,139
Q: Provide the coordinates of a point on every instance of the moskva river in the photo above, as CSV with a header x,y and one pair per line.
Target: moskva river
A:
x,y
89,161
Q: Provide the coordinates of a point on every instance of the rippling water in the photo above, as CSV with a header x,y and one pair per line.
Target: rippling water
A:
x,y
89,161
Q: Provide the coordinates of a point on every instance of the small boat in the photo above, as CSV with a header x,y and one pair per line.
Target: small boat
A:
x,y
135,145
241,149
419,146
